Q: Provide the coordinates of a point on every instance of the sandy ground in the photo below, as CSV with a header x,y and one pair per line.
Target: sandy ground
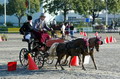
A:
x,y
107,60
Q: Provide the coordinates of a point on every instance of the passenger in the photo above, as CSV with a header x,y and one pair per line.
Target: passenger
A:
x,y
26,28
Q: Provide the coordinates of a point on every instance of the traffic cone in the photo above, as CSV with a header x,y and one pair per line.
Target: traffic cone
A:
x,y
85,34
107,40
87,59
114,40
31,64
96,34
81,33
111,39
1,39
74,61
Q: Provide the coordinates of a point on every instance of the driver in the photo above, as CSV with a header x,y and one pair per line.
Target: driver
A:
x,y
40,29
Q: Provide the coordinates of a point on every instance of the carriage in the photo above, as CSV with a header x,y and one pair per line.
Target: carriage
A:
x,y
38,52
77,47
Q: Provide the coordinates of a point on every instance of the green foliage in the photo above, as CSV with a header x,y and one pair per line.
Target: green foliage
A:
x,y
3,29
53,6
86,7
19,9
16,7
113,6
34,6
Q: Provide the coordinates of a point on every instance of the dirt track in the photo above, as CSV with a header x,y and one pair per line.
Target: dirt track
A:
x,y
107,60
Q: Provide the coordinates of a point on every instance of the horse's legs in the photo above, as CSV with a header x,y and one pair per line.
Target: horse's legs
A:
x,y
59,60
83,57
56,64
79,59
60,65
93,60
70,60
65,62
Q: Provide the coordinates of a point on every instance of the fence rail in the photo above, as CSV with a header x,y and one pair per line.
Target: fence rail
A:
x,y
16,30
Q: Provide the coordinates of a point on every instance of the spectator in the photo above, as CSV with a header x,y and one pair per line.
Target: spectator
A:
x,y
67,29
72,31
63,30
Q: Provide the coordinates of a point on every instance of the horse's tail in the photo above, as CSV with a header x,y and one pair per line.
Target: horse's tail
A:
x,y
52,50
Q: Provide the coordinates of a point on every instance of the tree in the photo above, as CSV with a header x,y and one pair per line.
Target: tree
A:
x,y
19,8
54,6
89,7
113,6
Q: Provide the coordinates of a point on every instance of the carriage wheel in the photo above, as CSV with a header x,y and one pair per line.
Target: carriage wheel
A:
x,y
49,60
39,59
31,45
23,57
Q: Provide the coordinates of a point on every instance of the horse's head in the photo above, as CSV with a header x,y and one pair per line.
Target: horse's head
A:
x,y
98,42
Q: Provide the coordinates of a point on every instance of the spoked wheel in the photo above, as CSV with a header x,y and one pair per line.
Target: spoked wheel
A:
x,y
39,59
33,44
23,57
49,60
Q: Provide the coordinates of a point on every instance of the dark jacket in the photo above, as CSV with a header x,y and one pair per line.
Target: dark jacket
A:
x,y
71,27
26,28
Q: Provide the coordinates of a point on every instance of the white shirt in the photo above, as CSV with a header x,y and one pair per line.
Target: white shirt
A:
x,y
63,28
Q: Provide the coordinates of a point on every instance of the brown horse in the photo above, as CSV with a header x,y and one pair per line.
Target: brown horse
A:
x,y
93,44
71,48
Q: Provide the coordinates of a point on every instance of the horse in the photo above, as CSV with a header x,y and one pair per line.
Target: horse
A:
x,y
94,43
70,48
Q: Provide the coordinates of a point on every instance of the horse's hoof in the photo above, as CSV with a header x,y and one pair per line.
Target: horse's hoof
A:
x,y
84,69
63,69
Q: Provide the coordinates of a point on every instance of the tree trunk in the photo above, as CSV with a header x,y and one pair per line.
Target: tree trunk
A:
x,y
65,13
93,15
19,19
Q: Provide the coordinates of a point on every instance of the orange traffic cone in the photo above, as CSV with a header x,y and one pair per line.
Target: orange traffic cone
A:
x,y
85,34
96,34
74,61
31,64
81,33
111,39
107,40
